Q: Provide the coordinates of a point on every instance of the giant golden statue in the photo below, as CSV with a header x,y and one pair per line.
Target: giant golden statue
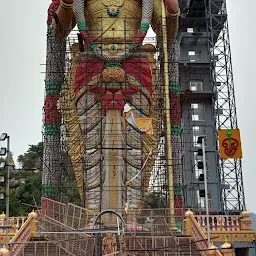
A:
x,y
108,102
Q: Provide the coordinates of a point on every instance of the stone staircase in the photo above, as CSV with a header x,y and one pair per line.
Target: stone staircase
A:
x,y
143,238
68,230
187,246
139,246
161,246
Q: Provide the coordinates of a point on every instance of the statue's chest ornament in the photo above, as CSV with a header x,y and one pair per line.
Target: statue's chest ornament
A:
x,y
113,11
112,7
117,3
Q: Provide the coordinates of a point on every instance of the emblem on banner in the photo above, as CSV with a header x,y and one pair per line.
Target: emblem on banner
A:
x,y
230,143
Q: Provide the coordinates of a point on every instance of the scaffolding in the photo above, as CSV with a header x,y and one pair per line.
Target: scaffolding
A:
x,y
100,155
208,104
224,101
69,227
95,149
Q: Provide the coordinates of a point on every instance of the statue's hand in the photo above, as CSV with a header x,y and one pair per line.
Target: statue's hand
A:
x,y
52,10
85,37
172,6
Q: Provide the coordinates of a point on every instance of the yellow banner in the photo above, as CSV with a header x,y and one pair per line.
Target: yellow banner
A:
x,y
144,124
230,143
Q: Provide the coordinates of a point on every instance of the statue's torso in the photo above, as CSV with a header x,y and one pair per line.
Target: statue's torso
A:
x,y
113,21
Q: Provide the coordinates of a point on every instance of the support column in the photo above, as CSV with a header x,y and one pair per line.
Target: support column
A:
x,y
5,252
113,157
175,116
188,223
226,249
55,63
168,122
33,226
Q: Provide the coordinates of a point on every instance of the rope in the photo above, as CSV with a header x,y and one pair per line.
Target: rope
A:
x,y
149,154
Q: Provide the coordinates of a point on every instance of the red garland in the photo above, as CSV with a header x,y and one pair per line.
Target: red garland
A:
x,y
52,115
178,205
139,38
175,112
86,38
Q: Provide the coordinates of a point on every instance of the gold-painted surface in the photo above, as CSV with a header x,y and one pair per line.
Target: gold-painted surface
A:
x,y
109,3
172,23
75,139
3,236
147,142
232,236
193,228
114,142
122,29
168,121
144,124
19,236
103,28
171,19
112,49
113,74
65,16
157,13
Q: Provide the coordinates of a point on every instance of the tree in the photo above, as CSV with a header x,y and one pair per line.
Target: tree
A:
x,y
156,200
25,190
32,159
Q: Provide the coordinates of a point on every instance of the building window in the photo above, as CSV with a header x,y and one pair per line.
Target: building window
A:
x,y
196,85
197,173
194,106
197,112
195,117
196,128
201,200
195,139
191,53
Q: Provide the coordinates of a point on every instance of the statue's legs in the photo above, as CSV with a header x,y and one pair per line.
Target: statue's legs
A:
x,y
114,163
115,153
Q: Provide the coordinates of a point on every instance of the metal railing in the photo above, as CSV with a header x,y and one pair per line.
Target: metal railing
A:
x,y
78,217
69,214
158,246
41,248
68,238
139,221
200,237
22,236
54,209
220,222
15,223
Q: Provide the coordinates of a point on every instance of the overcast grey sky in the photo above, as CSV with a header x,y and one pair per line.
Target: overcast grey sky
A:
x,y
23,44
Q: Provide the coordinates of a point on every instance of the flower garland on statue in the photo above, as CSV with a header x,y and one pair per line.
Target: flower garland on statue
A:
x,y
147,10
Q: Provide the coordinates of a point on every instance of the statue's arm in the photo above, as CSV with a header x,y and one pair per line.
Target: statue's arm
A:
x,y
172,6
172,16
61,16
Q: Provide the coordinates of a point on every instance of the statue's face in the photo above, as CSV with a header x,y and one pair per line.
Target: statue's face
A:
x,y
109,236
